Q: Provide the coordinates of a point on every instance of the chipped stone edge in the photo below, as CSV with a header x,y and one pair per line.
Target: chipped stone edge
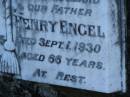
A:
x,y
122,19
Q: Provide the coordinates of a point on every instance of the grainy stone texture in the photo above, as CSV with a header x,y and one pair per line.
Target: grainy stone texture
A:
x,y
10,87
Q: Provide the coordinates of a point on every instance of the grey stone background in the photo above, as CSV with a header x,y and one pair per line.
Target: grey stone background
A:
x,y
10,87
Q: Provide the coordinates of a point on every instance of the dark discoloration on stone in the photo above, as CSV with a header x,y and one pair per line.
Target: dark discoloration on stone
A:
x,y
27,89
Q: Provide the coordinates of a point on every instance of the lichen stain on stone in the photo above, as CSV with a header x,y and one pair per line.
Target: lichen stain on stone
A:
x,y
115,21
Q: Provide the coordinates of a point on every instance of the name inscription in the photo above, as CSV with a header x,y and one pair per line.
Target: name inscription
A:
x,y
68,42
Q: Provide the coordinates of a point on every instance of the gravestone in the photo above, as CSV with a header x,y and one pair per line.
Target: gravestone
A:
x,y
71,43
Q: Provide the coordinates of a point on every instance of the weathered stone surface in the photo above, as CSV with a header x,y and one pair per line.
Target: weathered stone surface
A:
x,y
6,83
